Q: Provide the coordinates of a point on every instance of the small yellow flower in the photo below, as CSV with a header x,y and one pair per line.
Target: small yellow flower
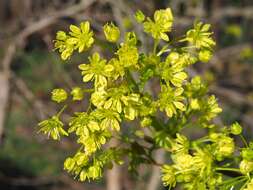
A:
x,y
168,176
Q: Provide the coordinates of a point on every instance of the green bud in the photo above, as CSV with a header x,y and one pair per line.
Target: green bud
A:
x,y
205,55
236,129
224,146
61,35
247,154
112,32
69,164
146,121
139,16
59,95
246,167
77,93
194,104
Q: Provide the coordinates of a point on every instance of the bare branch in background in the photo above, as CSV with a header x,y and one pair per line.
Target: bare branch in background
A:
x,y
18,41
113,176
154,181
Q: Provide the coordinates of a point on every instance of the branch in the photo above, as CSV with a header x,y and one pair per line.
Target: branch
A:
x,y
18,40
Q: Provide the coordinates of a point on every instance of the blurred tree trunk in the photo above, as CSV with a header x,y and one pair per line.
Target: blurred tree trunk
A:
x,y
113,176
4,93
5,85
155,179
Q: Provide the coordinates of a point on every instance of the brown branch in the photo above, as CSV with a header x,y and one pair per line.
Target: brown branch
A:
x,y
231,95
18,41
47,21
29,96
246,12
155,177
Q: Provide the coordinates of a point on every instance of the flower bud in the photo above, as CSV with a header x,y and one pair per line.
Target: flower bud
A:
x,y
194,104
246,167
224,147
205,55
77,93
236,129
69,164
247,154
112,32
146,121
59,95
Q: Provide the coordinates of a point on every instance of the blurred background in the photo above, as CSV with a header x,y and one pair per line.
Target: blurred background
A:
x,y
30,69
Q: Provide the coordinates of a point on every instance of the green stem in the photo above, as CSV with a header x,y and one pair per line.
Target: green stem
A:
x,y
155,46
131,80
163,51
227,169
243,140
60,112
89,108
202,140
89,90
233,180
244,185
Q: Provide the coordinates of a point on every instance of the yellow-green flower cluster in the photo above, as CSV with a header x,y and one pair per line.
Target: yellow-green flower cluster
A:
x,y
79,38
84,167
97,70
128,55
168,176
91,134
162,24
200,37
223,145
194,168
53,127
117,99
171,100
122,100
172,71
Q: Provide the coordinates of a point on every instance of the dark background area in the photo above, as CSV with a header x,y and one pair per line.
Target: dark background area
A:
x,y
30,69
